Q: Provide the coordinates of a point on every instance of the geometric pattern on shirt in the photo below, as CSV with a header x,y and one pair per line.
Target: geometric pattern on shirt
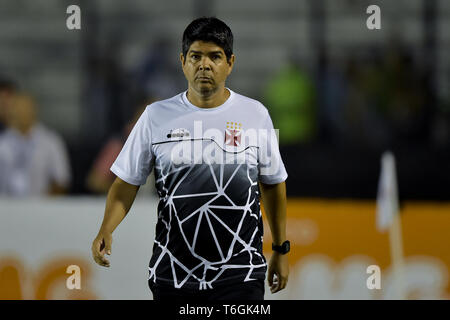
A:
x,y
205,212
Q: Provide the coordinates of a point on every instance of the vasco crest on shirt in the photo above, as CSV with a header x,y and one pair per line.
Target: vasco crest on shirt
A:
x,y
233,134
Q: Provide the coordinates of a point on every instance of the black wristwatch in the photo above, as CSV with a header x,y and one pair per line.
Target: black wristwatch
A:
x,y
283,249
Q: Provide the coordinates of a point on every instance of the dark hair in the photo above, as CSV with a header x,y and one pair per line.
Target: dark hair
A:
x,y
7,85
208,29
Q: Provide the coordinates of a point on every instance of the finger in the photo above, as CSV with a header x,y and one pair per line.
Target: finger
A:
x,y
96,246
101,261
276,288
98,260
103,264
101,257
283,283
108,246
275,284
98,255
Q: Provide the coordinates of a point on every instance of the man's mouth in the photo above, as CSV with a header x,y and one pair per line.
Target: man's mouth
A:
x,y
204,78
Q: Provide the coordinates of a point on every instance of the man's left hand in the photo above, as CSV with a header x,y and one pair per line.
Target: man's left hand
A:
x,y
279,267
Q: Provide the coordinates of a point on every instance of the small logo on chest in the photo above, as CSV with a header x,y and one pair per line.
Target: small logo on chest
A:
x,y
233,134
178,133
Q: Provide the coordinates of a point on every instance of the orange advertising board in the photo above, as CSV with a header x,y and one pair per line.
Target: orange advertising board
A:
x,y
340,229
333,242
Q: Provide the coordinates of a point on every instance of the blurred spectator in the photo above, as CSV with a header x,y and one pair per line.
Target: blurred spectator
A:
x,y
7,91
156,74
33,159
104,96
406,90
333,87
290,98
100,178
385,102
365,125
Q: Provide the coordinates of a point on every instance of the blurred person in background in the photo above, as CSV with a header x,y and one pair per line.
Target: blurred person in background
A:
x,y
333,85
33,158
364,126
155,74
291,97
7,91
100,178
406,94
106,95
386,99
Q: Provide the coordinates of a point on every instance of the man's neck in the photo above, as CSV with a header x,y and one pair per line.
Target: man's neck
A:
x,y
208,100
23,131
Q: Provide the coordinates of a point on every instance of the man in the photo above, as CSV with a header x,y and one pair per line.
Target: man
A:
x,y
208,242
33,159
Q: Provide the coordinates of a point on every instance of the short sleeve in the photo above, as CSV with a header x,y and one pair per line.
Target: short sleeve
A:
x,y
270,164
134,162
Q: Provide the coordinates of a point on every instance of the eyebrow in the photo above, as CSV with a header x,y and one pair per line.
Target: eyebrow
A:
x,y
212,52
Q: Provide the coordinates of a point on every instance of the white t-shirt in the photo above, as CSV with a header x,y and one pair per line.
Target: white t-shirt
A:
x,y
207,166
29,164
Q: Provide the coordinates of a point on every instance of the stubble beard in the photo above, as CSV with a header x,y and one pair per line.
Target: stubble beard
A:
x,y
207,92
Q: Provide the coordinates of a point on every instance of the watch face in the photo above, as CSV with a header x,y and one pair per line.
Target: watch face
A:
x,y
283,248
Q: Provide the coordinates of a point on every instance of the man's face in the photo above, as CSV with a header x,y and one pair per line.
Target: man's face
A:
x,y
22,114
206,67
6,96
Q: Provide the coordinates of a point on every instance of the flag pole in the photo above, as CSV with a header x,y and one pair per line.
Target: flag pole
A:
x,y
397,258
388,217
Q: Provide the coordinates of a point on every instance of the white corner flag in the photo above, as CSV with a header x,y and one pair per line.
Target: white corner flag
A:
x,y
388,217
387,199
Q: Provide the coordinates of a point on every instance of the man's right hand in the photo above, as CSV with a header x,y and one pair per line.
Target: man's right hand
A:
x,y
100,246
118,202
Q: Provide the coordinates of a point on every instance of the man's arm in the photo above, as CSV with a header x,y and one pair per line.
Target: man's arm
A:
x,y
119,200
274,201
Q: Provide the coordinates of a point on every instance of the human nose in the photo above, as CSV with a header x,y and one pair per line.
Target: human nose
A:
x,y
205,64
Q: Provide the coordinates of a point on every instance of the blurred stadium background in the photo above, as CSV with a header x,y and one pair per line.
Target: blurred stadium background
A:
x,y
340,94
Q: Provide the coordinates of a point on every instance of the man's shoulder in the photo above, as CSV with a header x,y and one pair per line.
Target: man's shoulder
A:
x,y
48,137
157,106
43,131
253,105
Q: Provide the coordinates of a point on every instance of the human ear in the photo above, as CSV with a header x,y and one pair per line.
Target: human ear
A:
x,y
182,59
231,63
